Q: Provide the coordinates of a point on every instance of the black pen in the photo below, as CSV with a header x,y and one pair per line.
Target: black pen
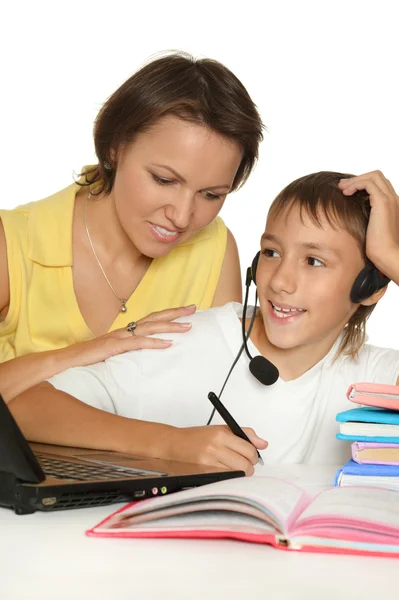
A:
x,y
230,421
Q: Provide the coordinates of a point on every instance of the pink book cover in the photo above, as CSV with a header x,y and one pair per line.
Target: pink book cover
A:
x,y
356,446
381,539
380,395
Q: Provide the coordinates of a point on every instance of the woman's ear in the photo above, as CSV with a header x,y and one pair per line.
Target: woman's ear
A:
x,y
374,298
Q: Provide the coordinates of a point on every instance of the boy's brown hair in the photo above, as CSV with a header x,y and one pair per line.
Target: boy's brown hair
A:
x,y
198,91
318,195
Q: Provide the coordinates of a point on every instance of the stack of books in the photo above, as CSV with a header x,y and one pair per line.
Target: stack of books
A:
x,y
374,431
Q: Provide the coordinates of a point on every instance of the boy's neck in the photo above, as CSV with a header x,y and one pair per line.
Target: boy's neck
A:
x,y
291,362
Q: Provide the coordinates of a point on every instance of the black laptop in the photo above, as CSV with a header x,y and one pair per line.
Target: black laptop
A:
x,y
45,477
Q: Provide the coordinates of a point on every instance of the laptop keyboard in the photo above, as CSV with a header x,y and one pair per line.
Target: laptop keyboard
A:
x,y
64,469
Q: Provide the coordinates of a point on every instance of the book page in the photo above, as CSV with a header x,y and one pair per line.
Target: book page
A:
x,y
362,508
369,429
379,455
313,479
267,500
212,520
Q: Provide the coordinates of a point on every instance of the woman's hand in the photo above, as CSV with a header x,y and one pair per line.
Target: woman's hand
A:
x,y
121,340
212,445
382,238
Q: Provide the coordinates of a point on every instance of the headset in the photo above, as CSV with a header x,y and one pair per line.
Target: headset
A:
x,y
368,281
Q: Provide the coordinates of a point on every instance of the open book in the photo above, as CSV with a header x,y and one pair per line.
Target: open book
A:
x,y
267,510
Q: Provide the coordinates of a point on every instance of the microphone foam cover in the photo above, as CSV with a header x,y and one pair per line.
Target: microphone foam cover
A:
x,y
263,370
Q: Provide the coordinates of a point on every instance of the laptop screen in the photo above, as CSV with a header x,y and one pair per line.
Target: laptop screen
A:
x,y
16,456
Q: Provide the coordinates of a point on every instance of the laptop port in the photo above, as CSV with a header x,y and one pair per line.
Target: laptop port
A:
x,y
139,494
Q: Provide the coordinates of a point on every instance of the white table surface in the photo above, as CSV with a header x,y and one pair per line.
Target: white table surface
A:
x,y
47,556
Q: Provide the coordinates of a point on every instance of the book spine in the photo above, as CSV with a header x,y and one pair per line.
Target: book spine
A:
x,y
282,541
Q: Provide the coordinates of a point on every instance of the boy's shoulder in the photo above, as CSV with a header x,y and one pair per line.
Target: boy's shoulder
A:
x,y
372,364
220,314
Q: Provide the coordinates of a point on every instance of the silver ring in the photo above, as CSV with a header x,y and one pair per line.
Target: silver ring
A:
x,y
131,327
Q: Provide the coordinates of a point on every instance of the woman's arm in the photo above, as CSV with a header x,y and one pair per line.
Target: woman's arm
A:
x,y
19,374
23,372
229,287
50,416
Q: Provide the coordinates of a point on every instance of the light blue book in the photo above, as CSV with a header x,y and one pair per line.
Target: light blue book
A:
x,y
368,424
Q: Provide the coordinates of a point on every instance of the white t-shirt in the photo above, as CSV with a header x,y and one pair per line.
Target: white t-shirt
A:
x,y
171,386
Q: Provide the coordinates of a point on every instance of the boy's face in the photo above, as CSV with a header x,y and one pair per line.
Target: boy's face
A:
x,y
304,277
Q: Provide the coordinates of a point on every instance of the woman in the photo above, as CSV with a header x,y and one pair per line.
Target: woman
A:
x,y
310,325
138,232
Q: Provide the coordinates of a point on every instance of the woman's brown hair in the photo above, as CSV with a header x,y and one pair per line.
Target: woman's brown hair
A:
x,y
318,196
199,91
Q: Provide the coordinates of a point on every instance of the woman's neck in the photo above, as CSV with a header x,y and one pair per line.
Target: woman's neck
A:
x,y
111,240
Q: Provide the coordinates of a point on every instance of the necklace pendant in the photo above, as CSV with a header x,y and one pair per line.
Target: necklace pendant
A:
x,y
123,308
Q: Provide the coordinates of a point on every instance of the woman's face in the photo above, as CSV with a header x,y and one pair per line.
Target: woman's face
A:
x,y
171,182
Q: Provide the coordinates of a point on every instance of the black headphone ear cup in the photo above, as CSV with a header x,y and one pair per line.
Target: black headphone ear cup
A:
x,y
254,266
369,281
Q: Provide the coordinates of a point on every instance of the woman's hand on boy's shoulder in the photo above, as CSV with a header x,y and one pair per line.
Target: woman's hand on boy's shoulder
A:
x,y
121,340
382,239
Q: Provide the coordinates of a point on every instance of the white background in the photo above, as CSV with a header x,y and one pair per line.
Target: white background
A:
x,y
324,75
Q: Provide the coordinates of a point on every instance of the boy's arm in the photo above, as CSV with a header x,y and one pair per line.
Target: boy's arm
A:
x,y
50,416
382,237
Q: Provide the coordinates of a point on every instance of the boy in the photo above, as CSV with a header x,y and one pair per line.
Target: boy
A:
x,y
318,238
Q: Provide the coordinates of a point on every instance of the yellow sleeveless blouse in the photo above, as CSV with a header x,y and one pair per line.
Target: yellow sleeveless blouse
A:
x,y
44,313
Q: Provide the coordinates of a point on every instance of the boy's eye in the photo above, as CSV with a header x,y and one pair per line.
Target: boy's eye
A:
x,y
161,180
270,253
315,262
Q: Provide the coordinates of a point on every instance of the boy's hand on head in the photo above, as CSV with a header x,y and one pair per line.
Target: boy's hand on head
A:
x,y
213,445
382,239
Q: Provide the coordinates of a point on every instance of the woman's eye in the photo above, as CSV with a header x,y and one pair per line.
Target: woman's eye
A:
x,y
270,253
211,196
161,180
315,262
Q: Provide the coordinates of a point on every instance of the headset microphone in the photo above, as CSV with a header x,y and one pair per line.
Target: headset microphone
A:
x,y
261,368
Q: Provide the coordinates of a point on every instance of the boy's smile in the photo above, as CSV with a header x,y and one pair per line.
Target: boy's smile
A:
x,y
304,277
285,312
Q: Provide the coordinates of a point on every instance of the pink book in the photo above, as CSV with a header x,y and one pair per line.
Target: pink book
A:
x,y
266,510
373,453
374,394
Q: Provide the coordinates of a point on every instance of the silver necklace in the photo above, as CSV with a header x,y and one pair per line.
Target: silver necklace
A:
x,y
123,307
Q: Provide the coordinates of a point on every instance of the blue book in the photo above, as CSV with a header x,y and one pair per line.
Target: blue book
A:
x,y
369,424
369,414
352,473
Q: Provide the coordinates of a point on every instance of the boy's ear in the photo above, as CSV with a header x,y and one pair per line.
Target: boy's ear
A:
x,y
374,298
